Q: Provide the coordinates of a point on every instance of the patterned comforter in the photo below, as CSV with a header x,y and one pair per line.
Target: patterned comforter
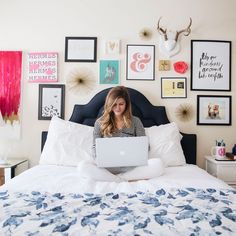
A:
x,y
187,211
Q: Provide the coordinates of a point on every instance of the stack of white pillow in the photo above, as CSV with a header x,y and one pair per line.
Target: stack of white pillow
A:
x,y
68,143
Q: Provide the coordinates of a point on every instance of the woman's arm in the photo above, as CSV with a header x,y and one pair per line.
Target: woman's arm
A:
x,y
96,134
138,126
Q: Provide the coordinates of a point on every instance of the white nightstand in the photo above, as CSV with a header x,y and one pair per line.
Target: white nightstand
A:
x,y
12,168
224,170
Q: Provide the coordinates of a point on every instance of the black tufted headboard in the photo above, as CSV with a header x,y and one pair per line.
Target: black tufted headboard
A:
x,y
149,115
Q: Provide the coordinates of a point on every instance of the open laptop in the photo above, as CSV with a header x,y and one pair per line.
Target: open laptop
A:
x,y
121,151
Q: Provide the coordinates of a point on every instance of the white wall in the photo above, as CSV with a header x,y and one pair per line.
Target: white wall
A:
x,y
39,26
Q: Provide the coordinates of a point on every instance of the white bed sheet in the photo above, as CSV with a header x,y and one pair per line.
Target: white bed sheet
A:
x,y
62,179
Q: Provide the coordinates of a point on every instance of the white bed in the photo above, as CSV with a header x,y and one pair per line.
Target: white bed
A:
x,y
63,179
53,199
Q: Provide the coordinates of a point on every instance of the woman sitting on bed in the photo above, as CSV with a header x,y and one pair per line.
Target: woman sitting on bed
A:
x,y
118,121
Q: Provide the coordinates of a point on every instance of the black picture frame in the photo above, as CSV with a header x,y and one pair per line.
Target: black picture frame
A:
x,y
214,110
51,101
210,65
173,87
140,62
80,49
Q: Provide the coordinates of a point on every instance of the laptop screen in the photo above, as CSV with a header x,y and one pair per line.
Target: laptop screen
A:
x,y
121,151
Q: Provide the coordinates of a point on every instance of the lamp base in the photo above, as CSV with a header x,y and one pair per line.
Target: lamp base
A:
x,y
2,162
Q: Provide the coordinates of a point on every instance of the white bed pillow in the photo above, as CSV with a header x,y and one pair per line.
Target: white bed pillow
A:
x,y
164,143
67,143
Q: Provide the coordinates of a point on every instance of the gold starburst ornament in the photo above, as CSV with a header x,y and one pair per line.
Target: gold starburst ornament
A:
x,y
184,112
80,81
145,34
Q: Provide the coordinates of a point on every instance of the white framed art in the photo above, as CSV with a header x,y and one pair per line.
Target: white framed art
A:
x,y
140,62
211,65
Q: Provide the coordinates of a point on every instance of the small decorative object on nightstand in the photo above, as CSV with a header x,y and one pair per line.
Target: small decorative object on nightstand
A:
x,y
223,169
12,168
234,150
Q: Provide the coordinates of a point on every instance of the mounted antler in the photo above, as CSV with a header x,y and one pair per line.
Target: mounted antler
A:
x,y
162,31
186,30
168,43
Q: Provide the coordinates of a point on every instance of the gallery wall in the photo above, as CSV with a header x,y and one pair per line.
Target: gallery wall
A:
x,y
41,26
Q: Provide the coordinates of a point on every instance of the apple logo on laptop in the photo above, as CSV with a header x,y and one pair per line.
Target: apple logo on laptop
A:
x,y
122,153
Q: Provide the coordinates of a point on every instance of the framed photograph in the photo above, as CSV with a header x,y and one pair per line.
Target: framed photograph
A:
x,y
109,72
51,101
213,110
81,49
42,67
173,87
210,65
140,62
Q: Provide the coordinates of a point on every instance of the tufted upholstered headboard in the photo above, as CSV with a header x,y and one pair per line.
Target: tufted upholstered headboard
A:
x,y
149,115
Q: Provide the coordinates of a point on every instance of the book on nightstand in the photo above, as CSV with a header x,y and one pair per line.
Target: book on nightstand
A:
x,y
228,157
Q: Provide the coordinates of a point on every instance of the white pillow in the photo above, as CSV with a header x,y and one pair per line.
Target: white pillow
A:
x,y
67,143
164,143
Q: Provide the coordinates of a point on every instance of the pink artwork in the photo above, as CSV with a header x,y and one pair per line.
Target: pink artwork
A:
x,y
42,67
140,61
10,84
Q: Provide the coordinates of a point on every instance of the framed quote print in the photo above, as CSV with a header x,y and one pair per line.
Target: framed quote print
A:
x,y
211,65
51,101
81,49
213,110
140,62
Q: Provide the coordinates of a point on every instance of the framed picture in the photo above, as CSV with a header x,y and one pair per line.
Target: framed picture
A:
x,y
109,72
140,62
51,101
173,87
112,46
213,110
42,67
210,65
81,49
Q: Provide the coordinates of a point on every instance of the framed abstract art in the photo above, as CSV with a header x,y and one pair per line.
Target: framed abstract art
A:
x,y
51,101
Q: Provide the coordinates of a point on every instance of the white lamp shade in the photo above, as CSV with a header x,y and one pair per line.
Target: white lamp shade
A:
x,y
2,123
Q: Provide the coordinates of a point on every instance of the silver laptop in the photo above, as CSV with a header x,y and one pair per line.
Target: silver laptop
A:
x,y
121,151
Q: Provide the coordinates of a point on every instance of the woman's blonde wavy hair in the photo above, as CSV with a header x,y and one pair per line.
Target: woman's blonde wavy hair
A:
x,y
107,120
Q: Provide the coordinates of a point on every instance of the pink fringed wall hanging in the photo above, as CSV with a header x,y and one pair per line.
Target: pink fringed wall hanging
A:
x,y
10,89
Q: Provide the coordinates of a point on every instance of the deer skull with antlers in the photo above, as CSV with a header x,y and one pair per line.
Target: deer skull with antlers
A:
x,y
169,44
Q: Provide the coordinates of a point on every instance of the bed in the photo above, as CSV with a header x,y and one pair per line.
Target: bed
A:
x,y
52,198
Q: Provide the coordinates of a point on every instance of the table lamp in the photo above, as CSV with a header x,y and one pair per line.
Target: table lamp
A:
x,y
2,141
2,122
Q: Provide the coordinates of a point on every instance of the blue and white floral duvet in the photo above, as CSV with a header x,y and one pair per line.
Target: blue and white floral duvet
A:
x,y
168,211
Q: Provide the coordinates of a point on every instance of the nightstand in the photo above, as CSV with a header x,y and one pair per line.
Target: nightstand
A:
x,y
224,170
11,169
